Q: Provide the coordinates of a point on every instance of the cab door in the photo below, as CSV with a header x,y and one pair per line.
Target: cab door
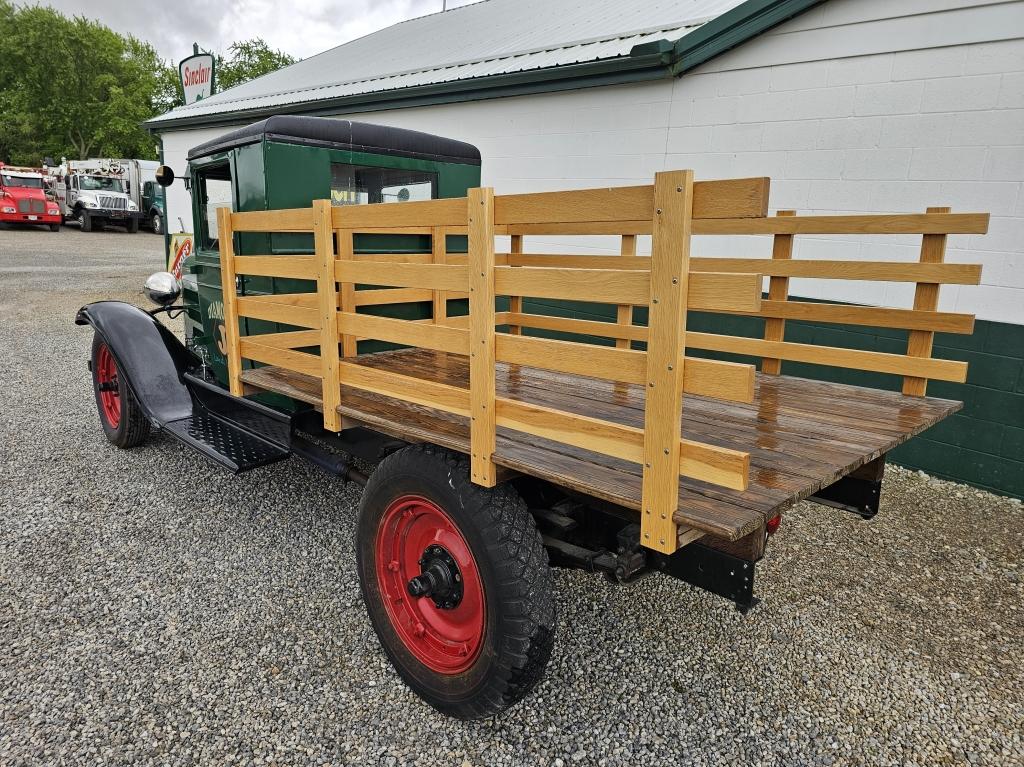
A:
x,y
73,191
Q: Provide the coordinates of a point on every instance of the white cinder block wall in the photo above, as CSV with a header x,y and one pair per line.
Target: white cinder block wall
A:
x,y
854,106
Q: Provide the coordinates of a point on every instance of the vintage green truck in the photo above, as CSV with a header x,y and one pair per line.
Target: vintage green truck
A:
x,y
357,300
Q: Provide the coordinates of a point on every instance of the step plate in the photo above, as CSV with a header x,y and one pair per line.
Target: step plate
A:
x,y
231,447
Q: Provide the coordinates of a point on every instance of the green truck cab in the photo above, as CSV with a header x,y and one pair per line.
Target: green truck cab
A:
x,y
287,162
153,206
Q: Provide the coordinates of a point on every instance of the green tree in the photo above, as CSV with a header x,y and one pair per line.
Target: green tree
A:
x,y
73,87
247,60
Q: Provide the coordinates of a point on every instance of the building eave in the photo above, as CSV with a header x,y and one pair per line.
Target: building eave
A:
x,y
658,60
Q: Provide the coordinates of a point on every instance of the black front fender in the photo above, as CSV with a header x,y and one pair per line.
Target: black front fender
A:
x,y
148,355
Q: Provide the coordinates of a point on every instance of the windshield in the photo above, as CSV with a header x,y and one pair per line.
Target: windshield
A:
x,y
100,184
28,183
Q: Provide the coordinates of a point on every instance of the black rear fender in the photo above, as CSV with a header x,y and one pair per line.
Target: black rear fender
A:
x,y
148,355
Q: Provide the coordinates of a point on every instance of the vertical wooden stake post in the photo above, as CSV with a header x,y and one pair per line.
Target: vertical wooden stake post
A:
x,y
926,298
515,303
778,290
670,267
327,301
439,254
229,291
347,290
481,336
624,313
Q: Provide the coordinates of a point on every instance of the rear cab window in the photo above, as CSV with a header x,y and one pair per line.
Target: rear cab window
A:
x,y
363,184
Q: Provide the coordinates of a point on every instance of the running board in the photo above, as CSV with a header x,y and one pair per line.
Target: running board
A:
x,y
233,432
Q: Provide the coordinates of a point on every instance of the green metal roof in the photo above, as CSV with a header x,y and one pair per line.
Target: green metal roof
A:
x,y
493,49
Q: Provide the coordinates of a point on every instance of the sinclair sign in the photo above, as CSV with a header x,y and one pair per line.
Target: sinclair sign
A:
x,y
197,76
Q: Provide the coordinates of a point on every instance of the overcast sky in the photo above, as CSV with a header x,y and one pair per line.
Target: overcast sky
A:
x,y
299,28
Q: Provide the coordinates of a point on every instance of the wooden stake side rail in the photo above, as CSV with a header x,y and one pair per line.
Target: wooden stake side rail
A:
x,y
668,283
798,441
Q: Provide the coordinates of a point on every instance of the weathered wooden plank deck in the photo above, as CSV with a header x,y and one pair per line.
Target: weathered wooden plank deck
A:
x,y
802,435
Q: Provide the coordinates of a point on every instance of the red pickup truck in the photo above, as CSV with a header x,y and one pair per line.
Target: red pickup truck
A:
x,y
23,198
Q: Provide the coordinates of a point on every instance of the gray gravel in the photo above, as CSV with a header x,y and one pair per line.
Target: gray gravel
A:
x,y
154,610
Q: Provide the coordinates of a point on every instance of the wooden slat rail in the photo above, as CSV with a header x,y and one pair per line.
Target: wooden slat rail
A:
x,y
909,223
830,356
707,291
732,198
905,223
259,308
949,274
726,467
668,283
297,267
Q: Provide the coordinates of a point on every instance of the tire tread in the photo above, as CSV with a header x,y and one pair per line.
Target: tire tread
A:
x,y
526,584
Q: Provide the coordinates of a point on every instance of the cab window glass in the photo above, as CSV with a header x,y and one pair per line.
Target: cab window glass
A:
x,y
362,184
101,184
22,181
214,188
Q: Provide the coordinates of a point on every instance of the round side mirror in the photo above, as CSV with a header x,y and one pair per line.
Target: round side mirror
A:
x,y
162,289
164,175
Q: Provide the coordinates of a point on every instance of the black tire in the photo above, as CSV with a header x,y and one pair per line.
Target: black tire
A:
x,y
156,222
85,220
54,227
132,225
518,594
132,427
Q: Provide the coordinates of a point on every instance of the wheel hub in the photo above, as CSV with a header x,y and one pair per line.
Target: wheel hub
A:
x,y
430,584
107,385
439,579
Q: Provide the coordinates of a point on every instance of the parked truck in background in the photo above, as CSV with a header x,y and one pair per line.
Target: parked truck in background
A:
x,y
151,202
23,198
95,192
140,176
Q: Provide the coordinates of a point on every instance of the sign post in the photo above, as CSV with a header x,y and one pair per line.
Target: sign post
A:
x,y
197,74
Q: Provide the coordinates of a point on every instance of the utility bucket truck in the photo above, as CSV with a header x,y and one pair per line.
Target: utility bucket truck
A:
x,y
93,193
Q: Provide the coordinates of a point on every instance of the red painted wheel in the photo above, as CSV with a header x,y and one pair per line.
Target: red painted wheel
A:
x,y
121,416
456,582
431,585
109,393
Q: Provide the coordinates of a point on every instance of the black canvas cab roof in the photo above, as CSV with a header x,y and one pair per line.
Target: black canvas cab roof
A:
x,y
344,134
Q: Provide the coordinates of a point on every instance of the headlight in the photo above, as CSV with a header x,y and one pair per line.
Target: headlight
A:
x,y
90,203
162,288
132,205
10,210
53,212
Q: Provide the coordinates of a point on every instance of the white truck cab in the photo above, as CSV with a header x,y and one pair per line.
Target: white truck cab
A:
x,y
93,193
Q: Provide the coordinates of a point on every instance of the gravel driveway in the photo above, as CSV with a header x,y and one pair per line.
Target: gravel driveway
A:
x,y
155,610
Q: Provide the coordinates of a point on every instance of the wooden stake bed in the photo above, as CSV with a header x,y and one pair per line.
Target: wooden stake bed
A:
x,y
695,446
802,435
